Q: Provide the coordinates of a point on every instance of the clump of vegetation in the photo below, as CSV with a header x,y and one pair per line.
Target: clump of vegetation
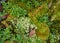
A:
x,y
29,21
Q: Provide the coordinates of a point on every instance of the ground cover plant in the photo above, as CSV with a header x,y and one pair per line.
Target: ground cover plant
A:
x,y
29,21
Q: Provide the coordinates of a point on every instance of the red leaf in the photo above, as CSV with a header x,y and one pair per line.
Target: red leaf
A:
x,y
32,33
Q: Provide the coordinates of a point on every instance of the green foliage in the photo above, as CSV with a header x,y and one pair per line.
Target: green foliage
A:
x,y
44,18
17,11
14,10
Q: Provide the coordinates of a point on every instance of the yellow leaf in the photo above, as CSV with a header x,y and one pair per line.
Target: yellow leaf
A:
x,y
43,31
